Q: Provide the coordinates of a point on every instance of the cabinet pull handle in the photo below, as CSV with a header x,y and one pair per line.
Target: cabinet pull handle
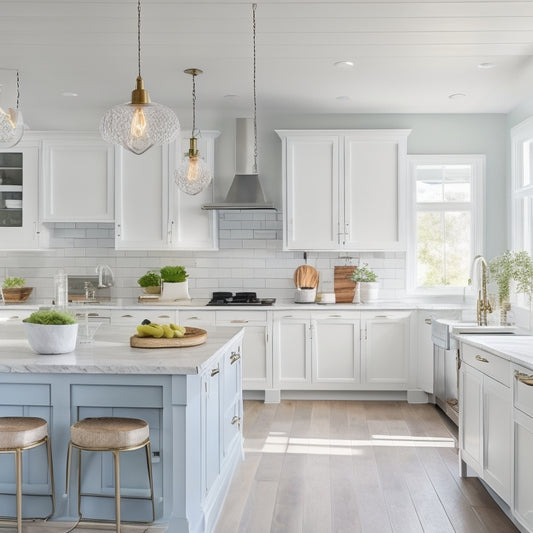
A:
x,y
481,359
428,321
234,357
334,316
526,379
215,371
126,316
239,321
235,419
381,316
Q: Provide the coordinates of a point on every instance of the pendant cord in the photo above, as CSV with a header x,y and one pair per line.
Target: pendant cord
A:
x,y
139,36
18,90
193,105
254,6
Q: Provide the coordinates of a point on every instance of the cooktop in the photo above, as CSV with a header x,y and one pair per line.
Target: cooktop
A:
x,y
239,298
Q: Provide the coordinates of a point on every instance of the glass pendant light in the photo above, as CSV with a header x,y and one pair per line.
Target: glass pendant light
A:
x,y
139,124
11,123
193,175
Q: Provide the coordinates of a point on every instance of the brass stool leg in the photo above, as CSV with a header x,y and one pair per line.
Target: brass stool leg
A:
x,y
18,468
51,468
116,457
79,484
150,477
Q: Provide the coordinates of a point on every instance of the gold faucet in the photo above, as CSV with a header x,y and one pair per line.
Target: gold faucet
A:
x,y
483,303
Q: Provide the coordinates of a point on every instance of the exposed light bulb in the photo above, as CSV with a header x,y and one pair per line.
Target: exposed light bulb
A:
x,y
11,127
138,123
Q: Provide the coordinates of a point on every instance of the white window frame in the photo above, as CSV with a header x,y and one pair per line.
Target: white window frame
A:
x,y
478,209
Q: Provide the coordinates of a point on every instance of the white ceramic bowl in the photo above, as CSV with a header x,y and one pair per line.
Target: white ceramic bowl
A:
x,y
50,339
13,204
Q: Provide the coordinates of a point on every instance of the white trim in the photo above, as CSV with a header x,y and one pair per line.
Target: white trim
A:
x,y
476,206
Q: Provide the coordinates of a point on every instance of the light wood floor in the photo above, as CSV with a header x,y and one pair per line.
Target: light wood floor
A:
x,y
347,467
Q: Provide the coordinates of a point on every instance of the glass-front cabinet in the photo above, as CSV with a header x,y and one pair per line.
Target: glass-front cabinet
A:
x,y
19,199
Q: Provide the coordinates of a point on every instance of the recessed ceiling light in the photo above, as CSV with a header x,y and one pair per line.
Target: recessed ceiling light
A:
x,y
457,96
344,64
69,94
342,97
486,65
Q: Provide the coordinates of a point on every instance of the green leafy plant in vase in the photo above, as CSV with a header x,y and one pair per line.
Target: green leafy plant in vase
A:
x,y
174,284
150,282
51,331
501,271
523,276
367,286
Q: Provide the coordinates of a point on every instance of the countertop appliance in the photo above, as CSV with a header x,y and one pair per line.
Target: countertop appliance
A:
x,y
239,298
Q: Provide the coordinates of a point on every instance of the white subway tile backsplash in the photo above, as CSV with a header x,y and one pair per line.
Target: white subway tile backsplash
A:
x,y
250,257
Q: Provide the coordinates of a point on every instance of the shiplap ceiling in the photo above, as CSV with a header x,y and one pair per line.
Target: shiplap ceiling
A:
x,y
409,56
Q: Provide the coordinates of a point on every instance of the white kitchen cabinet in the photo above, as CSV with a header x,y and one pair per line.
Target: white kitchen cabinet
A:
x,y
342,350
386,348
336,349
357,197
212,404
485,411
150,212
20,225
77,180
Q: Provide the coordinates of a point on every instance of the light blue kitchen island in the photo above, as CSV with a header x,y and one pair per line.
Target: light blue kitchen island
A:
x,y
191,398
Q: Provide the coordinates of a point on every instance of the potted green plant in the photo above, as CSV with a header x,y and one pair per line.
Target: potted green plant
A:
x,y
15,290
174,283
367,286
150,282
51,331
501,271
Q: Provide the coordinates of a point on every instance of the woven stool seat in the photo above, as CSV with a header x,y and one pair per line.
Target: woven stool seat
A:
x,y
20,431
109,433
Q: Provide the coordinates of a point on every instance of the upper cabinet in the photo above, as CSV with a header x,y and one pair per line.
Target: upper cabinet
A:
x,y
77,182
151,213
20,227
344,189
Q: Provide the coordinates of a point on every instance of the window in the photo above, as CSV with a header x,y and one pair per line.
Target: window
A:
x,y
446,221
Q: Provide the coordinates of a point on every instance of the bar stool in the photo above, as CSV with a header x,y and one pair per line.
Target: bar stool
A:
x,y
110,434
19,433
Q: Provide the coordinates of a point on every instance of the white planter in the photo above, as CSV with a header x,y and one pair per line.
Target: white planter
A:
x,y
51,339
369,291
175,291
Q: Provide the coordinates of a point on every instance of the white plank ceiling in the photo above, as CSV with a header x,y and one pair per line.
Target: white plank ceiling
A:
x,y
409,56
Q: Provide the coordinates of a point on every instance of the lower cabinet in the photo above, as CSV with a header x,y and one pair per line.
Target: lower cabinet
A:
x,y
342,351
485,413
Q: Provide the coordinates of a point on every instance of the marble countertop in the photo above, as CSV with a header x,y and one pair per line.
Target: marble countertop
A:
x,y
111,353
513,347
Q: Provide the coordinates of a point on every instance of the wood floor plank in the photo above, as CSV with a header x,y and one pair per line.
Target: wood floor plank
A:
x,y
354,466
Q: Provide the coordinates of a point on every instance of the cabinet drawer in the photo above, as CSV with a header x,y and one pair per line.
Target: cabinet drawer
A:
x,y
240,317
486,362
523,389
196,318
128,318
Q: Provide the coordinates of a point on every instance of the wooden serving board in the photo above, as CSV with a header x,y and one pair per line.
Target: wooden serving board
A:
x,y
193,337
343,286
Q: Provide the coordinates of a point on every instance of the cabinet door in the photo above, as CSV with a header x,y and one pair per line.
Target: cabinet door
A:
x,y
292,364
374,196
141,202
193,228
497,429
471,417
311,192
78,179
336,351
386,349
523,467
212,405
19,198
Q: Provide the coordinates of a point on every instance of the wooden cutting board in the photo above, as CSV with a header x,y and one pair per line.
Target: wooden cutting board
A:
x,y
193,337
306,276
343,286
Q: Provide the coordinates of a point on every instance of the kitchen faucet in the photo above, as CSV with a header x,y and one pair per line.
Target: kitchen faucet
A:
x,y
105,273
483,303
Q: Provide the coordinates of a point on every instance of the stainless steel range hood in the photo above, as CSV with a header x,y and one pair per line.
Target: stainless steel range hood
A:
x,y
245,191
